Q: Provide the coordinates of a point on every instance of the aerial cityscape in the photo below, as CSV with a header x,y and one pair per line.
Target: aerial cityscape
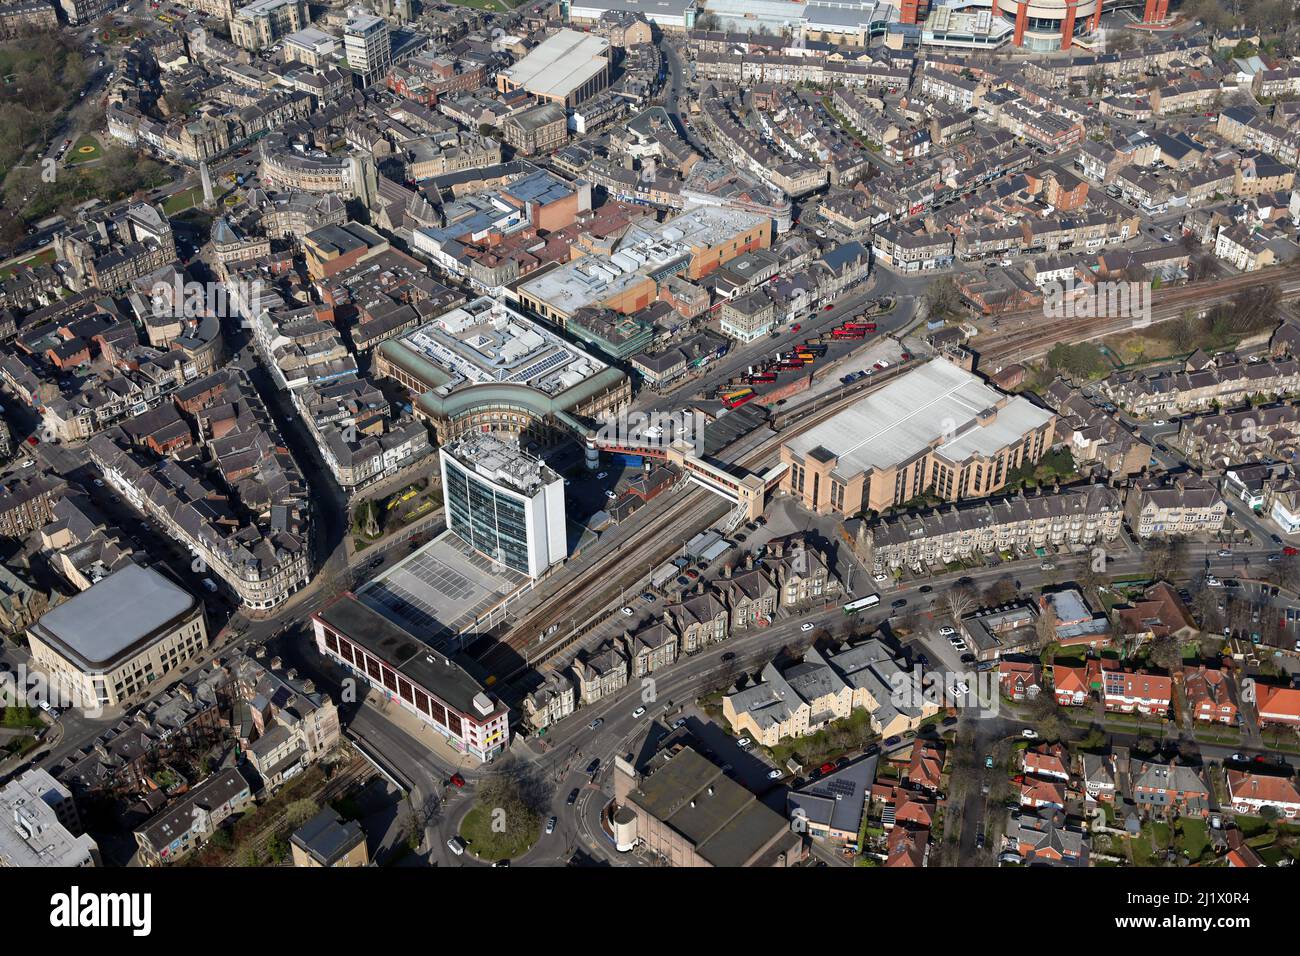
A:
x,y
650,434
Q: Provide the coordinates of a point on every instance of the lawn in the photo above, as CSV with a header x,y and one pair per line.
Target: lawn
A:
x,y
833,741
1193,837
487,844
45,255
185,199
85,150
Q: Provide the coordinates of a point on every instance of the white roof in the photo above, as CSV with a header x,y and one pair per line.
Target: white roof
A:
x,y
560,64
907,416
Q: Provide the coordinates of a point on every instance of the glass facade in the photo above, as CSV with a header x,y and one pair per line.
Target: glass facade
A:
x,y
489,521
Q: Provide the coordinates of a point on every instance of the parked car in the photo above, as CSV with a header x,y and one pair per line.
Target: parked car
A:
x,y
774,774
1029,733
947,631
627,612
550,826
744,743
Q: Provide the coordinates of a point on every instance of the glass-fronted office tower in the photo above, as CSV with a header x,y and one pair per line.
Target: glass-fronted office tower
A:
x,y
504,503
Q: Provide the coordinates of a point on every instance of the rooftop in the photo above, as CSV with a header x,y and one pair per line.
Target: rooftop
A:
x,y
502,462
120,614
560,64
485,342
935,404
435,672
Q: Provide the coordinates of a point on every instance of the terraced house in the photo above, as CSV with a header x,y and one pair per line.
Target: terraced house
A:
x,y
1185,505
1248,435
1223,381
1019,524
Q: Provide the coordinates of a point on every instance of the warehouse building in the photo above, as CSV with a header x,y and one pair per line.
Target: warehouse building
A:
x,y
936,430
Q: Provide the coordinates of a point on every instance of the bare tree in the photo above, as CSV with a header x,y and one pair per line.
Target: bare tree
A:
x,y
961,600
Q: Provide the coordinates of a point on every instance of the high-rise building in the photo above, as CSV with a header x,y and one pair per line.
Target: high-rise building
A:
x,y
367,46
504,503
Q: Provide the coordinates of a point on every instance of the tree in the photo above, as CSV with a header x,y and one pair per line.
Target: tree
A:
x,y
1044,630
961,600
300,811
942,298
1166,558
1001,591
1166,653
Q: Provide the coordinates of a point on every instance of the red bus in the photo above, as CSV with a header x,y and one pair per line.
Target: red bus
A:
x,y
864,326
849,333
758,377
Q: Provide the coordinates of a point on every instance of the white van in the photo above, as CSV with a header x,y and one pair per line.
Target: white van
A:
x,y
456,845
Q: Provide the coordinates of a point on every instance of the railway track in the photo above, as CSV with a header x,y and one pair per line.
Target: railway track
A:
x,y
1032,342
596,586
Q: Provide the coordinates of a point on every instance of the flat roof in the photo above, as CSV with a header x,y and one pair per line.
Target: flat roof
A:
x,y
650,9
916,411
115,618
486,342
724,822
435,672
440,590
561,63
